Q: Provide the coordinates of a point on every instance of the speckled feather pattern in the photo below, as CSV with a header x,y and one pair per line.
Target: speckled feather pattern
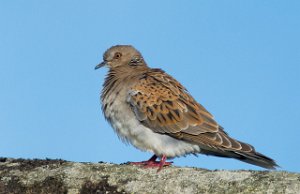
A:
x,y
130,130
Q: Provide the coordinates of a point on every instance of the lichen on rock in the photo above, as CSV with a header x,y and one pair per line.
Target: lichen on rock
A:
x,y
59,176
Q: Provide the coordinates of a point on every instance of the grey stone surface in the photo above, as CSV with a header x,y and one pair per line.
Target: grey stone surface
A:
x,y
58,176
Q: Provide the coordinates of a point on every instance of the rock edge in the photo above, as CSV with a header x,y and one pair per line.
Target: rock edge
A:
x,y
60,176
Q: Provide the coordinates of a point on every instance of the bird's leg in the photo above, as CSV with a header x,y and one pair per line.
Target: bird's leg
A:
x,y
152,163
151,160
163,163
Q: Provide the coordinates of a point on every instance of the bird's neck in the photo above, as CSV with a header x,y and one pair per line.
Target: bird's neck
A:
x,y
119,78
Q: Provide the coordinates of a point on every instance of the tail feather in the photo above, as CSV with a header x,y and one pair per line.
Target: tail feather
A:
x,y
257,159
254,158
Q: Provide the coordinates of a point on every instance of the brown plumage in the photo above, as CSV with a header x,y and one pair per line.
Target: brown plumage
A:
x,y
161,109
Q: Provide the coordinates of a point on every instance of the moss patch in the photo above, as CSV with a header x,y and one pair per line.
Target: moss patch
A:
x,y
99,187
28,165
49,185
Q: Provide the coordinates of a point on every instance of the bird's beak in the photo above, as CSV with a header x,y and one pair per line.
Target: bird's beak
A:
x,y
101,65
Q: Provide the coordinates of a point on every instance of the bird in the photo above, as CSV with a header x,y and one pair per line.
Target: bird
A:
x,y
151,110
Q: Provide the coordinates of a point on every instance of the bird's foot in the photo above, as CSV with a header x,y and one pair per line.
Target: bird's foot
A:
x,y
151,160
152,163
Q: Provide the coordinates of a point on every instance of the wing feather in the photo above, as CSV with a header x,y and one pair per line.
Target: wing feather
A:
x,y
165,106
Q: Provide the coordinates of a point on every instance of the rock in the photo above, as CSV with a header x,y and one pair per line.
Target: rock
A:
x,y
59,176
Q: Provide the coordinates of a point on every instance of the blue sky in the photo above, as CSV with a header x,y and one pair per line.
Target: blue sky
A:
x,y
240,59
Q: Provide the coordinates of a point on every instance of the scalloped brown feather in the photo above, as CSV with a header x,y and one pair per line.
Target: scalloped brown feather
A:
x,y
165,106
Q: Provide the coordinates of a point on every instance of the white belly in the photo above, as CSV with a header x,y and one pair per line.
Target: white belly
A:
x,y
131,130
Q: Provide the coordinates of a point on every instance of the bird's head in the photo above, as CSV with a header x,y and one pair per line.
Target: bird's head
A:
x,y
122,56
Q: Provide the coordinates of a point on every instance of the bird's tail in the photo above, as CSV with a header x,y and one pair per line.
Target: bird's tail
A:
x,y
244,155
257,159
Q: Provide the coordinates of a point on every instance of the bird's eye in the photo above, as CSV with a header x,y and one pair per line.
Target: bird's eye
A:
x,y
118,55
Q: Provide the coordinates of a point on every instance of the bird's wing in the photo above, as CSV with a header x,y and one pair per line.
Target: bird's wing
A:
x,y
162,104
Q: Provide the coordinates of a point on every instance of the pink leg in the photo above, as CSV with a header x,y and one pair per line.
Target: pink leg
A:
x,y
152,163
163,163
151,160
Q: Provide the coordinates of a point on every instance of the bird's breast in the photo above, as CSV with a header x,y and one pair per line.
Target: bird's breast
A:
x,y
129,129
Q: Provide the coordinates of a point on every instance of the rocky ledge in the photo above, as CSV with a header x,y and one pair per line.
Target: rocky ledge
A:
x,y
59,176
